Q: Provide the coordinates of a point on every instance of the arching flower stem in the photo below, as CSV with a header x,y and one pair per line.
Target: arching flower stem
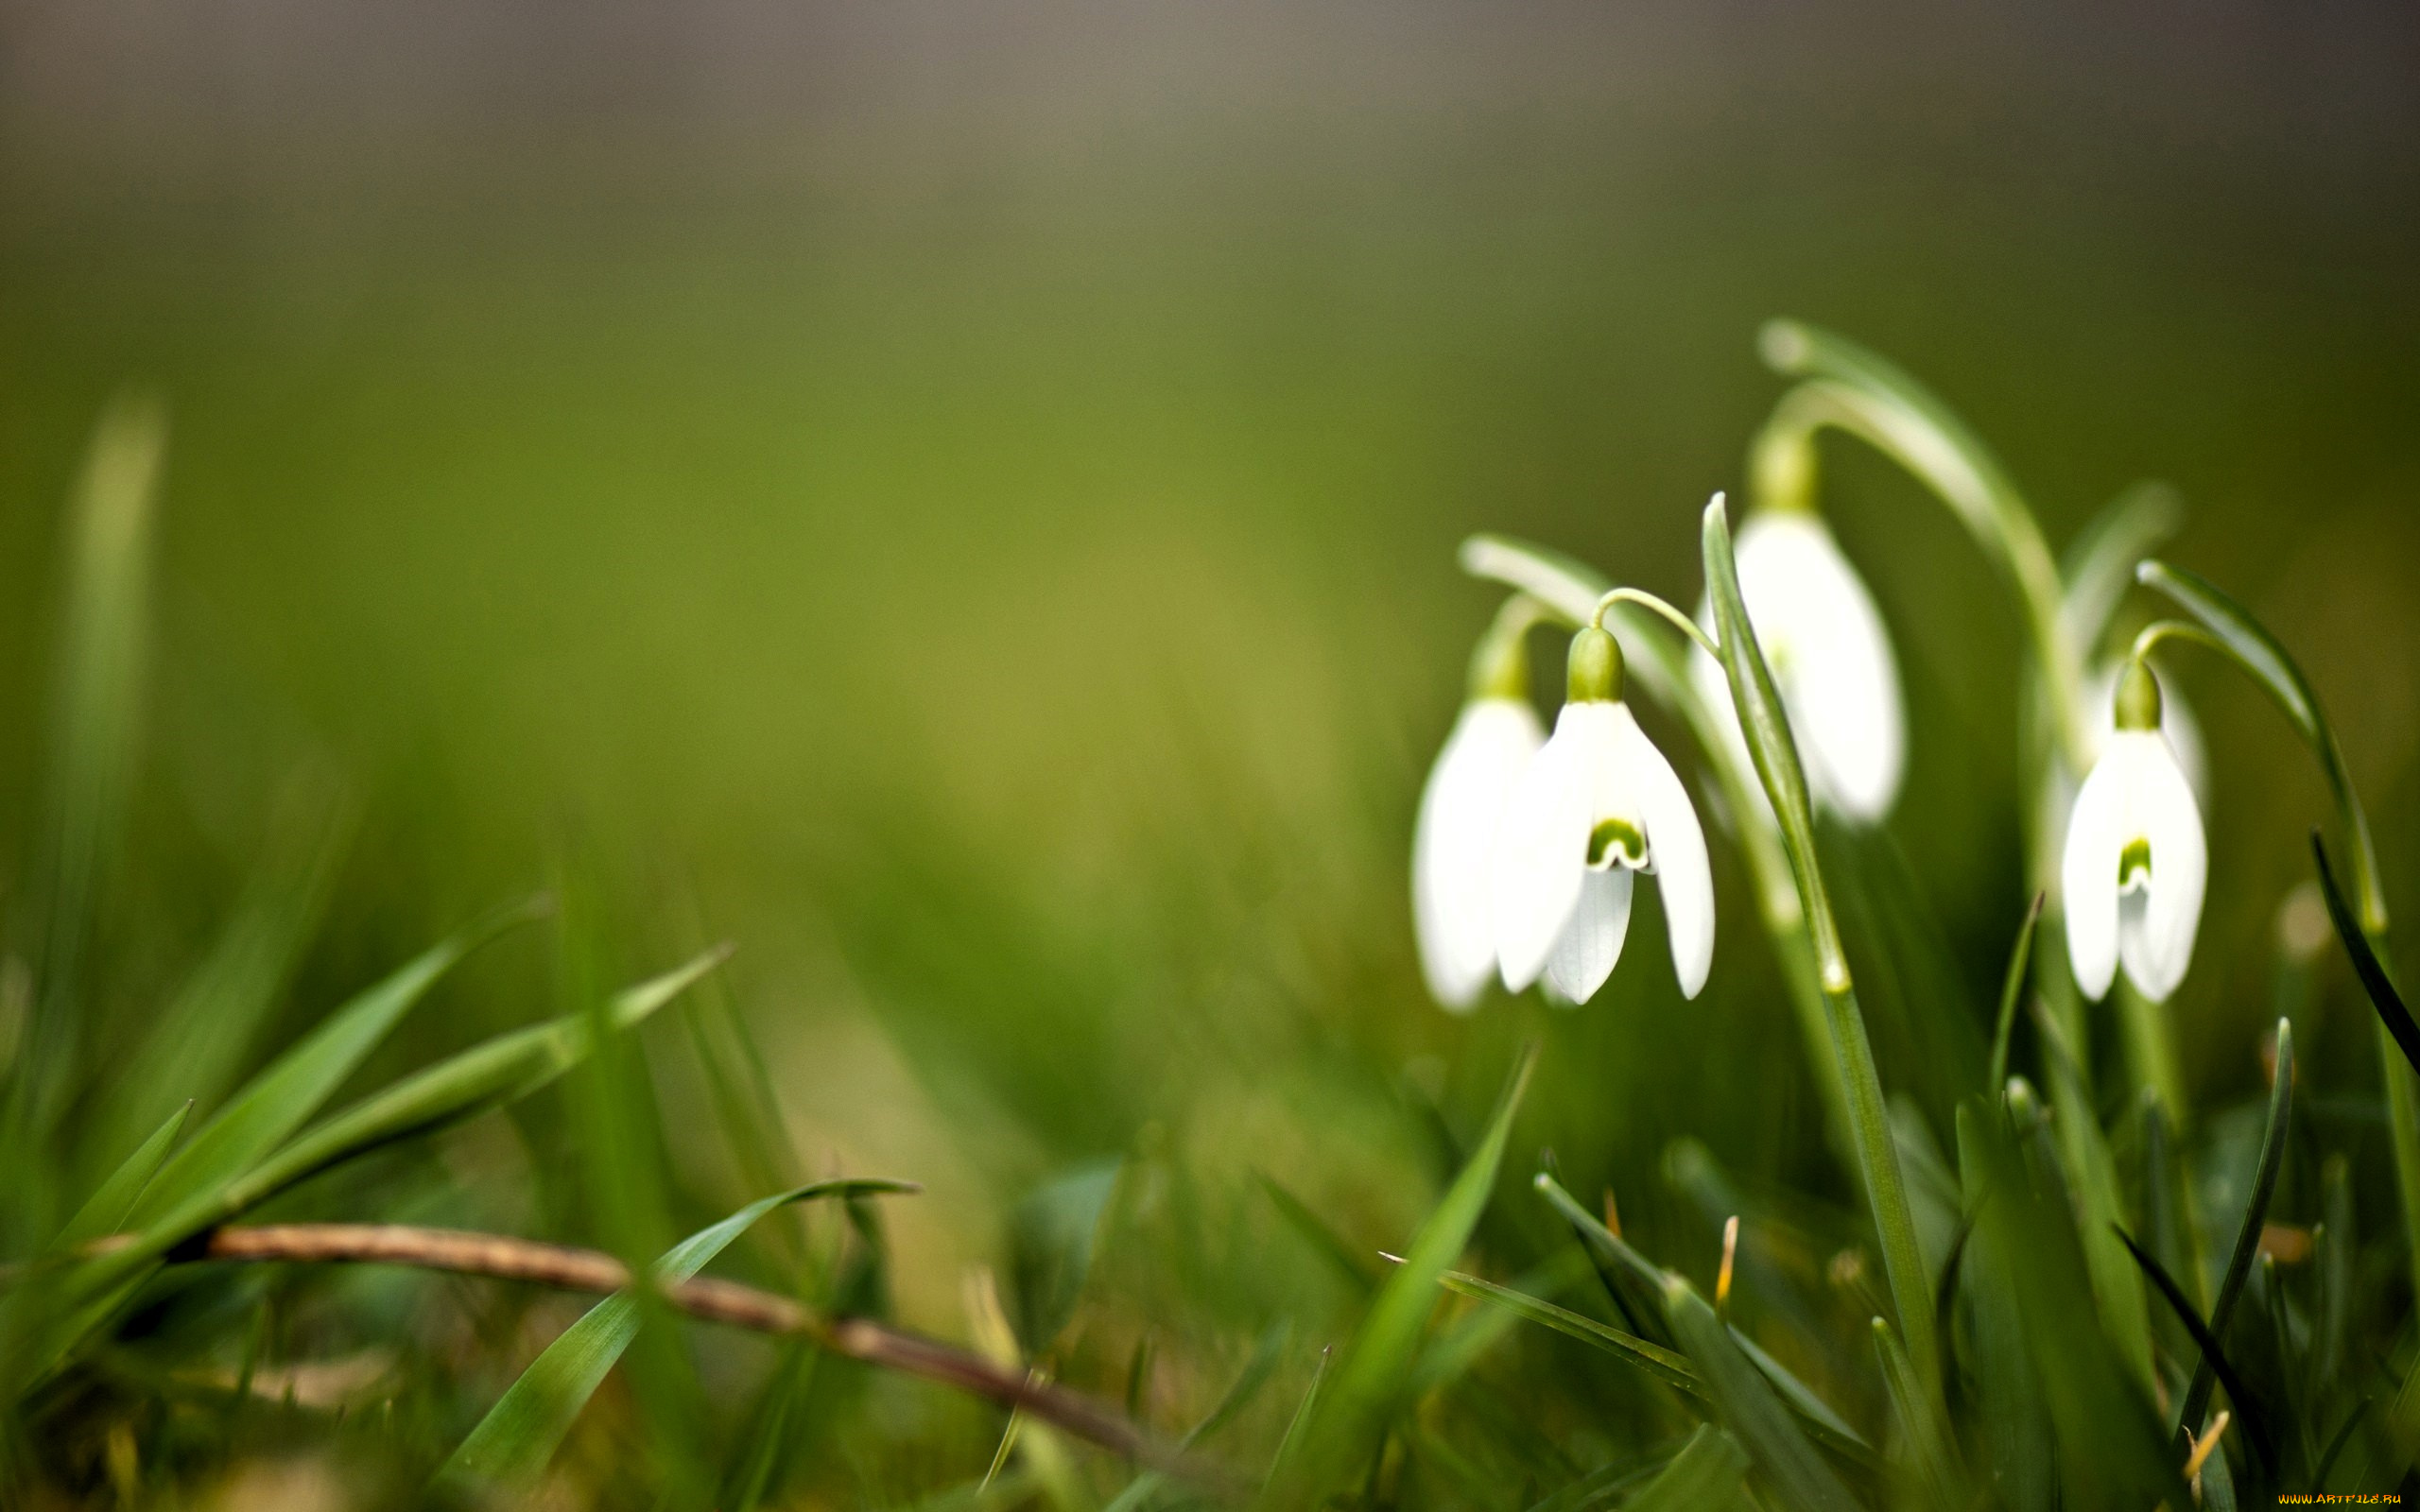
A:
x,y
2227,626
1658,606
1852,390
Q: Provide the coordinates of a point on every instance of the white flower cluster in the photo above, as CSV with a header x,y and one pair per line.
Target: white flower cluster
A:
x,y
1526,846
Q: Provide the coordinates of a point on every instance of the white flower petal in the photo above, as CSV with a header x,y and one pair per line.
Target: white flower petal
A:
x,y
1831,657
1461,810
2164,813
2088,874
1541,853
1584,956
1676,851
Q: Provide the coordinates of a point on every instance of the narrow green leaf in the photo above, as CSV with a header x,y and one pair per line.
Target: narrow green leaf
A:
x,y
1326,1241
105,1211
1672,1369
1709,1474
1789,1463
512,1443
2091,1176
1919,1423
2247,1405
290,1088
1370,1376
2247,1238
1238,1395
2366,964
2020,955
2112,1450
1765,725
1298,1427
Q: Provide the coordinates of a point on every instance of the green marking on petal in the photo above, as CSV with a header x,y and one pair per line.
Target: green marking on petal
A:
x,y
2134,864
1615,840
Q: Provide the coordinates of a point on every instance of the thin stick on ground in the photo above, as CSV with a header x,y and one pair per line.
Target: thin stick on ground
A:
x,y
567,1268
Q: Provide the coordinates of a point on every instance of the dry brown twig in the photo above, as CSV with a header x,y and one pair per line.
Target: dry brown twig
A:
x,y
568,1268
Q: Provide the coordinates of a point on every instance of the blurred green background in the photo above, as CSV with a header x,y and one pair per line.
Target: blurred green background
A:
x,y
961,501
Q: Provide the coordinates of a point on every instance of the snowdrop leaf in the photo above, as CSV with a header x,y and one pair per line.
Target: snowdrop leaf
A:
x,y
2020,955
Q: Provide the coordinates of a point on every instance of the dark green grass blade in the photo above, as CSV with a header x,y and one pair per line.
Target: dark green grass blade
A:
x,y
1671,1369
2247,1405
512,1445
2114,1451
1791,1467
2247,1239
1267,1352
2366,964
105,1211
484,1076
1919,1423
1370,1374
290,1088
2021,957
1635,1268
1332,1246
1709,1474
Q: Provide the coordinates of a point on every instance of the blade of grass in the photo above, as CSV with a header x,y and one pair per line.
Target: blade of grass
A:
x,y
2393,1014
2247,1239
1262,1363
1709,1474
105,1211
1919,1423
1790,1464
1370,1376
2091,1176
2248,1409
512,1445
1323,1239
290,1088
193,1050
2020,955
2113,1449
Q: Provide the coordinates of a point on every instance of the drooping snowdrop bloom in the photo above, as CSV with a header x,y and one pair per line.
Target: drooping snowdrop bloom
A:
x,y
2135,859
1597,805
1461,810
1829,654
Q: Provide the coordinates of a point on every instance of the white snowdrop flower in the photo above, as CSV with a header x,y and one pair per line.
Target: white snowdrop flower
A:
x,y
1830,655
2135,860
1461,810
1597,805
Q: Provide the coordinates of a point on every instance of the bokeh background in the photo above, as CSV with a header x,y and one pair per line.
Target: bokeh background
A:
x,y
961,501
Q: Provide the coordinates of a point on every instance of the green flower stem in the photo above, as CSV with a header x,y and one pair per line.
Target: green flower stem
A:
x,y
2151,1047
1853,391
2229,628
1573,590
1770,745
